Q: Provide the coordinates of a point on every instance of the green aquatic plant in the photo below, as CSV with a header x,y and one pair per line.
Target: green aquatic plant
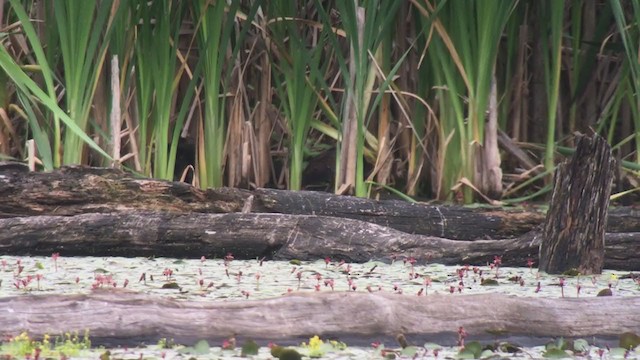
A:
x,y
316,348
284,353
471,350
629,340
250,347
67,345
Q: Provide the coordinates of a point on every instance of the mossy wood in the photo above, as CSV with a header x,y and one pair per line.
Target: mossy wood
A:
x,y
274,236
127,318
574,232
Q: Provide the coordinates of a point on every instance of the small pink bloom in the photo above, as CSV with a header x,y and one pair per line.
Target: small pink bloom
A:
x,y
55,257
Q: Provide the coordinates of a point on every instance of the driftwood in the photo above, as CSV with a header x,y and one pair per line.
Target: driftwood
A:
x,y
573,236
277,236
80,211
122,317
74,191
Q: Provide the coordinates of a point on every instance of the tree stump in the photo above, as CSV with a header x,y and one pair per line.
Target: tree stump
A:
x,y
573,236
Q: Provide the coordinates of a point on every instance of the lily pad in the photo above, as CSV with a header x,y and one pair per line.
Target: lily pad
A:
x,y
629,340
250,347
171,285
605,292
556,353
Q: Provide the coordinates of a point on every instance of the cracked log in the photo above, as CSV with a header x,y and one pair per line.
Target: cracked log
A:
x,y
278,236
574,230
118,316
81,190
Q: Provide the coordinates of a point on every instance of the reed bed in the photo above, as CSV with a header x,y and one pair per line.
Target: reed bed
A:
x,y
440,99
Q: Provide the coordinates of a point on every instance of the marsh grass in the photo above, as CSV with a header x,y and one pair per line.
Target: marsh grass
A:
x,y
410,95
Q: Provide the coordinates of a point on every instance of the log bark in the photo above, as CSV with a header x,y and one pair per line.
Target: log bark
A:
x,y
81,190
277,236
451,222
118,316
76,190
574,232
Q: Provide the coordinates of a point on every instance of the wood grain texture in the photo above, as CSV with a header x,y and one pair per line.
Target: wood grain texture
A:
x,y
126,317
574,231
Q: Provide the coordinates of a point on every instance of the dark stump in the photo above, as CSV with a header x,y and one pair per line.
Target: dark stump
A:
x,y
574,231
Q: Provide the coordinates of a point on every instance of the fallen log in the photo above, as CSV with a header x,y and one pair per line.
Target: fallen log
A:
x,y
447,221
118,316
75,190
277,236
80,190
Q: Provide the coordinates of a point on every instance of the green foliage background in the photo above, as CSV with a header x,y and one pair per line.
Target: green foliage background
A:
x,y
446,99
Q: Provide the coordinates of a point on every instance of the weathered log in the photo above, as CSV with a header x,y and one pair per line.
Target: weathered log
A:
x,y
279,236
79,190
74,190
128,318
447,221
573,236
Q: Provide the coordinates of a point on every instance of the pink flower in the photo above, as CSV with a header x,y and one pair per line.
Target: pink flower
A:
x,y
55,257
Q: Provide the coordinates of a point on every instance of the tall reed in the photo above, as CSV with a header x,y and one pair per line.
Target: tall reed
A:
x,y
157,79
630,35
552,50
463,57
297,54
215,30
49,138
365,24
83,28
